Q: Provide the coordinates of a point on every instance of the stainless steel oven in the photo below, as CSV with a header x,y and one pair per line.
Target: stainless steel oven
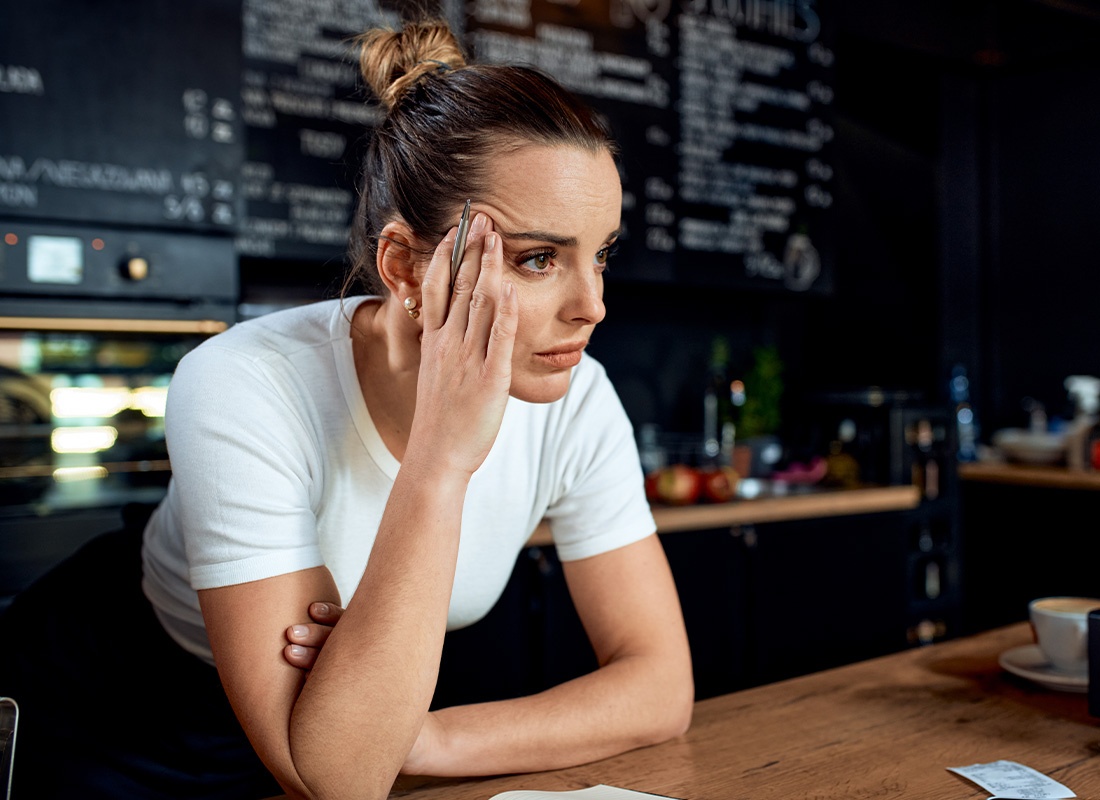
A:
x,y
119,207
93,321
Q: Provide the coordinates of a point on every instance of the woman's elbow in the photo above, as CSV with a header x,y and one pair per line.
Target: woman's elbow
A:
x,y
673,717
679,716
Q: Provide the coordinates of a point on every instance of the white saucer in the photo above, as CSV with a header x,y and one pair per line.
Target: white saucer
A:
x,y
1029,662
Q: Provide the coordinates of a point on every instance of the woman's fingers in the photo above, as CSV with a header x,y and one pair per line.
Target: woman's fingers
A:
x,y
306,639
325,613
494,312
305,643
435,290
300,656
502,339
443,302
467,280
308,634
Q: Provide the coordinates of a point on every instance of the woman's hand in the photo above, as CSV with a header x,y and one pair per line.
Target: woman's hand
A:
x,y
466,353
305,640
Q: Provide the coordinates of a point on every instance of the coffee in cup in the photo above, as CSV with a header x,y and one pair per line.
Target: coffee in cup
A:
x,y
1061,630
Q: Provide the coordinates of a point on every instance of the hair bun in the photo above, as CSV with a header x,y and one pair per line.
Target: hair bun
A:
x,y
391,61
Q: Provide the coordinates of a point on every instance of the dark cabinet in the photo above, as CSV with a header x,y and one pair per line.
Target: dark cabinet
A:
x,y
761,602
1024,542
824,592
711,572
766,602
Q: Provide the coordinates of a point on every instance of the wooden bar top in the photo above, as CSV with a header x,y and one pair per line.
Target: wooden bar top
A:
x,y
1030,475
888,727
771,507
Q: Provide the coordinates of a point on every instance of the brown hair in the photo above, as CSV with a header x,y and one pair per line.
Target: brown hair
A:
x,y
446,120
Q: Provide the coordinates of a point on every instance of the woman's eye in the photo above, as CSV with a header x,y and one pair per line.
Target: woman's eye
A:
x,y
539,262
604,253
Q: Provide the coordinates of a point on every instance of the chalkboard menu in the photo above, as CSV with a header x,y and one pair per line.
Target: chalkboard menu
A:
x,y
722,111
248,116
304,115
721,108
121,113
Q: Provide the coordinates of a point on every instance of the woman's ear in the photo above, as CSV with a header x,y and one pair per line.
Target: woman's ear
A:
x,y
397,259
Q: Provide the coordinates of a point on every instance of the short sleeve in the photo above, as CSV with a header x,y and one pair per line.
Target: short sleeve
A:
x,y
244,467
601,503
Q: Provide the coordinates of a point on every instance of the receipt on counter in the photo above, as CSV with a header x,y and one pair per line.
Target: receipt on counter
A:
x,y
1011,781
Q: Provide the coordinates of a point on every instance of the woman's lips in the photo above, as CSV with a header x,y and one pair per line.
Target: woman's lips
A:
x,y
563,357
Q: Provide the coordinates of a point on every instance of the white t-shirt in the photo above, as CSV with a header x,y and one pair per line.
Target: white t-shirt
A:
x,y
277,467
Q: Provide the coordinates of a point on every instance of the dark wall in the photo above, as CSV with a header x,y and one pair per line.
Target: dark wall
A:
x,y
968,200
1041,279
967,187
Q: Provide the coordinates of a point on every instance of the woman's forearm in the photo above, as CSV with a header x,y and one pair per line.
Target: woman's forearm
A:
x,y
642,693
631,702
366,698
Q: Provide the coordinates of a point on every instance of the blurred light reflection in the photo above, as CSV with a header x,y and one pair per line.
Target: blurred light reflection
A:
x,y
92,439
71,474
83,402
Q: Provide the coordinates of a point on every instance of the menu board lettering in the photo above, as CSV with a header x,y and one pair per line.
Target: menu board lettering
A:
x,y
722,111
304,112
721,108
19,79
97,133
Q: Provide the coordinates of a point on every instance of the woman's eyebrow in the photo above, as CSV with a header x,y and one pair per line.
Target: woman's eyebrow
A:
x,y
542,236
553,238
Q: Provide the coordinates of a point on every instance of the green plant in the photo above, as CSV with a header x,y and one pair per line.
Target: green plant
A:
x,y
763,392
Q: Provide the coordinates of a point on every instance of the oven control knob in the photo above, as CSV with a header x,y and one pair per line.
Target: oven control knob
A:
x,y
134,268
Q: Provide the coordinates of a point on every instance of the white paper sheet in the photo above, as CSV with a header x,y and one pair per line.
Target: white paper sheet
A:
x,y
1008,780
600,792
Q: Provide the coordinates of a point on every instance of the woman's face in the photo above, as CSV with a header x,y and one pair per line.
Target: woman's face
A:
x,y
557,210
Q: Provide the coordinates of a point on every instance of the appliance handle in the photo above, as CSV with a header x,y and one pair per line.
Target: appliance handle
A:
x,y
114,325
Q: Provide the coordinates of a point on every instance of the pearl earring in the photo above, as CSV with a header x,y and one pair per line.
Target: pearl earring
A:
x,y
410,306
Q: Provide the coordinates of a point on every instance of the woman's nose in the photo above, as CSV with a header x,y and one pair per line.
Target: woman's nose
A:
x,y
585,303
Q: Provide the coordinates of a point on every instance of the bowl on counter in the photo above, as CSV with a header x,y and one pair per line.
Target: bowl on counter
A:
x,y
1031,447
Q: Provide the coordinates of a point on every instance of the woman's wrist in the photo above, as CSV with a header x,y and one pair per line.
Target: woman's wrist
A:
x,y
434,469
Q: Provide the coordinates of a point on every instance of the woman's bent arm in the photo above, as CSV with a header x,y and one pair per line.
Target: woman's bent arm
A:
x,y
642,693
347,729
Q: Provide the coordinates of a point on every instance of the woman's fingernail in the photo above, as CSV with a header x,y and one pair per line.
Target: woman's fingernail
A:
x,y
490,241
480,221
321,608
297,650
299,631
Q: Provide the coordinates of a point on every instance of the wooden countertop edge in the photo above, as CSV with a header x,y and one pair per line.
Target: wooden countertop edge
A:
x,y
1029,475
672,519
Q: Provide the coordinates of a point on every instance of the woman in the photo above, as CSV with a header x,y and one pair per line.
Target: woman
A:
x,y
391,453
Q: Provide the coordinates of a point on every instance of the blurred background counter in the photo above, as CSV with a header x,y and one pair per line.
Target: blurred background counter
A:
x,y
769,502
1050,477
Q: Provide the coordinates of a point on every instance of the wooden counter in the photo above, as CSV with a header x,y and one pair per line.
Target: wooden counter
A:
x,y
772,508
1028,475
888,727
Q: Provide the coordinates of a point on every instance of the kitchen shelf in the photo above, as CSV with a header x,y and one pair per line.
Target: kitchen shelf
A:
x,y
1029,475
772,508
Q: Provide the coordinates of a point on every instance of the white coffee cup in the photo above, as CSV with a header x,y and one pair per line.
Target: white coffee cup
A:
x,y
1061,627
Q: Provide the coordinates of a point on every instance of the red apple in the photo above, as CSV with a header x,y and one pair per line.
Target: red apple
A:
x,y
675,485
719,483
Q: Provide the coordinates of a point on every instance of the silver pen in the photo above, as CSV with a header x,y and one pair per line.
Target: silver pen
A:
x,y
460,243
